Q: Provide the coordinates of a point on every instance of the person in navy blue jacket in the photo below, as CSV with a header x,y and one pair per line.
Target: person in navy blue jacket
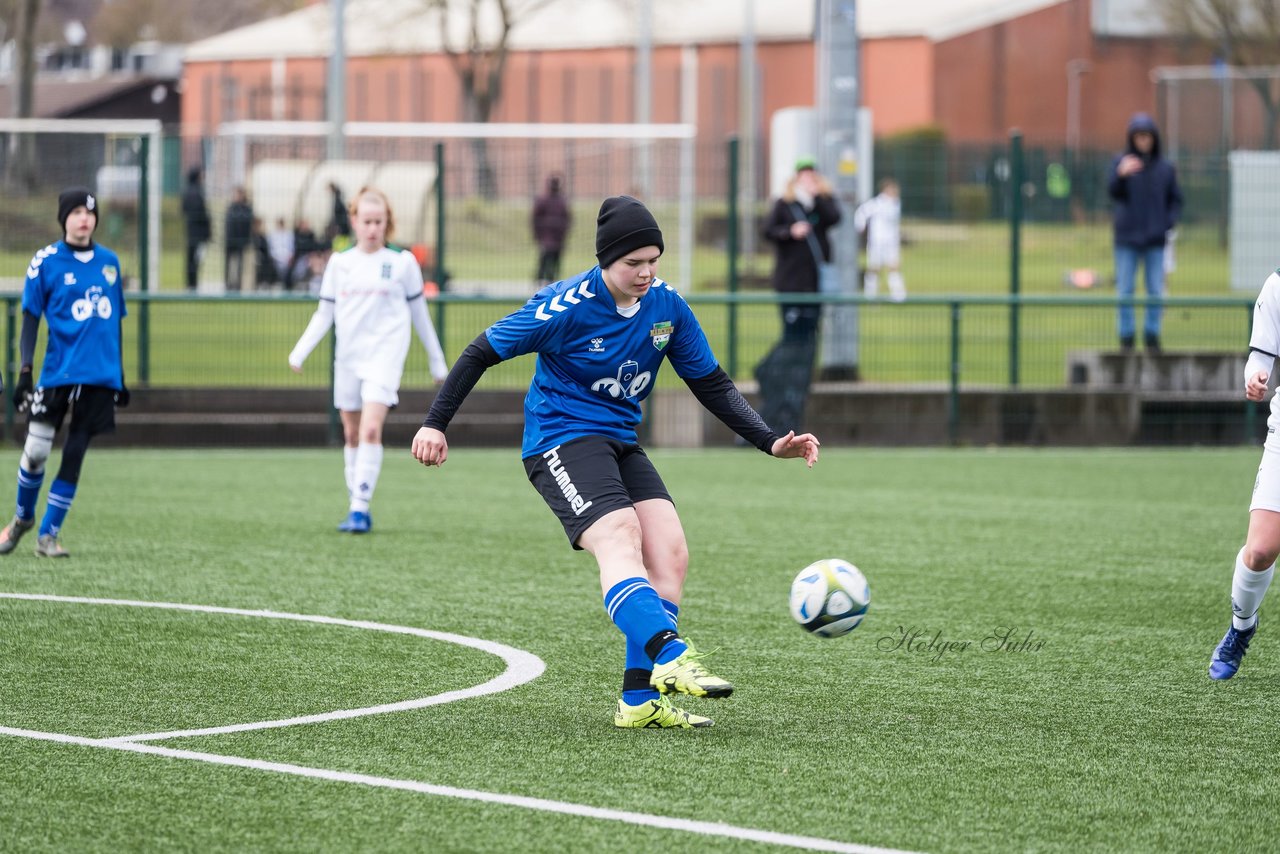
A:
x,y
1144,187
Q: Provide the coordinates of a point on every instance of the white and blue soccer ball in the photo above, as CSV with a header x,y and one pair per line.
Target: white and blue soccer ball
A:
x,y
830,597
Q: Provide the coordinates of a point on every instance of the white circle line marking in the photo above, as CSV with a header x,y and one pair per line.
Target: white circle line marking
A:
x,y
705,828
521,666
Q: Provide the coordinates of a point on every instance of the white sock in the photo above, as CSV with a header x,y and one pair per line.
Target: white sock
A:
x,y
1247,589
897,288
872,283
365,476
349,467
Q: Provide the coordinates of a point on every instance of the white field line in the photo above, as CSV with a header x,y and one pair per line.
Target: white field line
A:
x,y
705,828
521,666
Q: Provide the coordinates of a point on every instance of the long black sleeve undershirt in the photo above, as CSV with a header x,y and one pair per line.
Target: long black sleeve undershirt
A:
x,y
27,341
722,399
477,358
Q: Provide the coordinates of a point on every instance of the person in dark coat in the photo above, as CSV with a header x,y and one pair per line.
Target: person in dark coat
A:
x,y
195,215
238,237
1148,202
797,226
551,221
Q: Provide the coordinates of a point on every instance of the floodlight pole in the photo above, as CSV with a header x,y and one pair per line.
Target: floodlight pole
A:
x,y
839,94
336,107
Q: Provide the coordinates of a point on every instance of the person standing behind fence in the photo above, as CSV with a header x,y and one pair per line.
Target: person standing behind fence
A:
x,y
881,217
551,221
797,225
195,215
1148,202
373,294
238,237
77,287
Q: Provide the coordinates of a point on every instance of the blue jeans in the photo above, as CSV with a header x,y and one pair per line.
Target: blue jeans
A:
x,y
1127,260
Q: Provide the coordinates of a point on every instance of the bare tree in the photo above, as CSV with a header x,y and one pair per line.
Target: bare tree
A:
x,y
22,164
1244,33
479,60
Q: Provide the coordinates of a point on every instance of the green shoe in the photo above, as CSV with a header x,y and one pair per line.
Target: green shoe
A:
x,y
686,675
656,714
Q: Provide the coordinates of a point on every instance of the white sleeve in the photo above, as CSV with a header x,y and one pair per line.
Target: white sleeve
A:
x,y
313,334
861,214
427,335
1266,318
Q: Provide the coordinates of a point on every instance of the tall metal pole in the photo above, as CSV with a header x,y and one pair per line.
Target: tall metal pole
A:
x,y
839,94
337,89
748,79
1016,177
644,93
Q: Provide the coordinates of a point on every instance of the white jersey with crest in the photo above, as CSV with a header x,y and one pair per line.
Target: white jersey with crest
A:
x,y
370,292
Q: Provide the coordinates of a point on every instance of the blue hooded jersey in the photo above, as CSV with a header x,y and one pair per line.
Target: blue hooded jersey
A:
x,y
594,365
81,295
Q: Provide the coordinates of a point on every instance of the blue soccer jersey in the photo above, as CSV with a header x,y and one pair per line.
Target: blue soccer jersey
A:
x,y
81,295
594,365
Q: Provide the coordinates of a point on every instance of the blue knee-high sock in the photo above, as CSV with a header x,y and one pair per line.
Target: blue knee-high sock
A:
x,y
28,492
636,609
61,494
635,681
673,611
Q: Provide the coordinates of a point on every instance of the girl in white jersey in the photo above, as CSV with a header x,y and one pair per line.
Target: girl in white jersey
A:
x,y
372,293
881,219
1256,562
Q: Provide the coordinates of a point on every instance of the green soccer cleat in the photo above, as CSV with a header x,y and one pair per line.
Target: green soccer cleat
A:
x,y
657,714
686,675
48,546
13,532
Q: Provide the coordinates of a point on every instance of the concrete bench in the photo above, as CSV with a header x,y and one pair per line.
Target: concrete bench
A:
x,y
1166,372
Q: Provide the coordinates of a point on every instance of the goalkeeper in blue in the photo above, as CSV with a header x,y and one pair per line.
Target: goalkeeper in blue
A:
x,y
601,337
1256,562
75,284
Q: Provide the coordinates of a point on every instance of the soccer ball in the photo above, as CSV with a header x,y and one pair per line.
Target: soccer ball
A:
x,y
830,597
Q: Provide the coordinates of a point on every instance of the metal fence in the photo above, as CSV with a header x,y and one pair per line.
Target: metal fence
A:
x,y
947,345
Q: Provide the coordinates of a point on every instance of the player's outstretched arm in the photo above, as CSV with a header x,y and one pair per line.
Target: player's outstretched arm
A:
x,y
805,445
430,447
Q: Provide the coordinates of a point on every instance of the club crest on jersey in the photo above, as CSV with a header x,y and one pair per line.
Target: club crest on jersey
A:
x,y
68,278
386,270
597,345
660,334
110,274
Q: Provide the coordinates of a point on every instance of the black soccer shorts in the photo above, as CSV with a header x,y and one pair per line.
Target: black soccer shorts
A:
x,y
585,478
93,407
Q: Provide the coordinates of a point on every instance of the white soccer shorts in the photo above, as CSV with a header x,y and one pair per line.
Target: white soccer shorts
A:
x,y
882,255
350,393
1266,489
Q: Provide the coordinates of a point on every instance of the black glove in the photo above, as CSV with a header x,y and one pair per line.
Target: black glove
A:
x,y
122,396
23,391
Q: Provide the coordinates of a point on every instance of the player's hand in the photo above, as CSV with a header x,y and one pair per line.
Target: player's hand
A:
x,y
123,396
23,391
430,447
1256,387
805,445
297,369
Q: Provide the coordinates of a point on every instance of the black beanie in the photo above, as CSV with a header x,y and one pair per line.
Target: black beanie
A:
x,y
624,225
72,198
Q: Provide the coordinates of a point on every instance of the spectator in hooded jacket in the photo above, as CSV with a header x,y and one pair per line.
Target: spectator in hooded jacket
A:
x,y
551,220
1144,187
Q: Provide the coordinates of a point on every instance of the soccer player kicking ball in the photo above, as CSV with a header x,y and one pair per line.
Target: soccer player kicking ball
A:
x,y
76,285
1256,562
375,294
601,337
